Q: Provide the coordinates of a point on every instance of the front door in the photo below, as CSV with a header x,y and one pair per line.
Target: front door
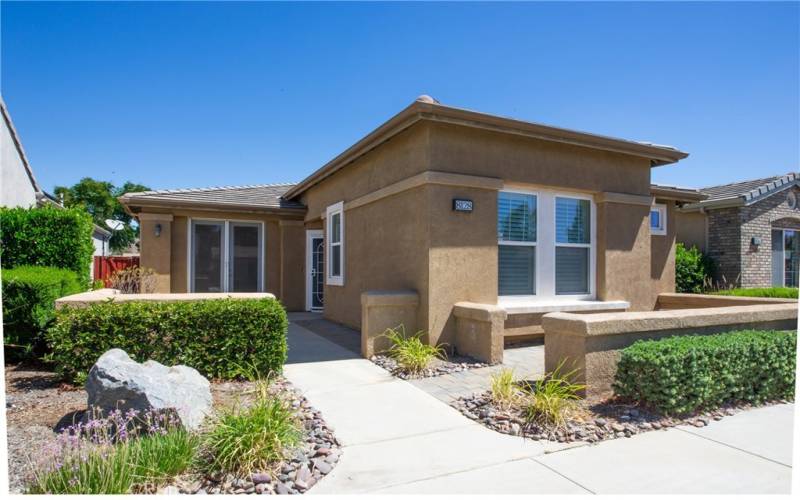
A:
x,y
315,253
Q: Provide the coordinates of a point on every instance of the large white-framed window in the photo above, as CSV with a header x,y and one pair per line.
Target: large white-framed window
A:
x,y
546,245
658,219
785,257
334,242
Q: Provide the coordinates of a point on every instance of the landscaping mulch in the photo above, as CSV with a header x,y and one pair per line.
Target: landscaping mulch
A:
x,y
593,421
453,364
37,405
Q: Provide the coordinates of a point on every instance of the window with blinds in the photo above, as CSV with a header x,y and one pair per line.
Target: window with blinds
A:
x,y
573,245
516,235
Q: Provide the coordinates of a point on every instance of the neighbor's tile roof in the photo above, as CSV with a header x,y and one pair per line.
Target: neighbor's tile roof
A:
x,y
751,190
255,196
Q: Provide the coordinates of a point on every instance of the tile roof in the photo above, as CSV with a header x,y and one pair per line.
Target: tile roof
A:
x,y
260,196
752,190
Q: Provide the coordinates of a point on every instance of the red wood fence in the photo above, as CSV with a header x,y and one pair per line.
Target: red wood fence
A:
x,y
105,267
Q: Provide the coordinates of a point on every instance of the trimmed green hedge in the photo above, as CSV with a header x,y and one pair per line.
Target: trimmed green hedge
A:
x,y
692,269
29,295
216,337
775,292
47,236
684,374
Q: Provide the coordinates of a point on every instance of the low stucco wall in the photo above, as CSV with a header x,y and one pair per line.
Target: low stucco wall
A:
x,y
591,343
667,301
381,310
479,331
110,294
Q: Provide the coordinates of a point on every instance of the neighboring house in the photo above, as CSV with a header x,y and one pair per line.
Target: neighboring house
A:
x,y
751,229
18,186
452,204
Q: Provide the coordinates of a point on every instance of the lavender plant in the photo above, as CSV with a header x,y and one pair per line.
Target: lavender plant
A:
x,y
123,452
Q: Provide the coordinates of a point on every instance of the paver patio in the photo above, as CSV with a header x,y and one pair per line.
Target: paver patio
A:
x,y
398,438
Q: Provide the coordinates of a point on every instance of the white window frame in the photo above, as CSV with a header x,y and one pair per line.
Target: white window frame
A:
x,y
524,244
662,216
226,265
336,208
545,286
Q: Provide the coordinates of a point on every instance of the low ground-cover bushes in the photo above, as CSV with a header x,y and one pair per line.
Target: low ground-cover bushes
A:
x,y
689,373
213,336
775,292
47,236
29,295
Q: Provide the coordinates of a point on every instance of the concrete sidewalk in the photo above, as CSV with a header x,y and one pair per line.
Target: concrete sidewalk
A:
x,y
400,439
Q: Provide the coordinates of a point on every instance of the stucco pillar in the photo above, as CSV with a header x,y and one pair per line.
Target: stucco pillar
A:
x,y
292,282
155,234
479,331
623,250
381,310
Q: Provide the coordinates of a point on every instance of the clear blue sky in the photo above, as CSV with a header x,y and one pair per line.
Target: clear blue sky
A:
x,y
201,94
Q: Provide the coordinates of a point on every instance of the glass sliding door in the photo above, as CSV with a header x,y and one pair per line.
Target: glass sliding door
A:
x,y
226,256
245,261
791,240
207,256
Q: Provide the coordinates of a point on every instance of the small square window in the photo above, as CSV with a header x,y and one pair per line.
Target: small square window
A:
x,y
658,219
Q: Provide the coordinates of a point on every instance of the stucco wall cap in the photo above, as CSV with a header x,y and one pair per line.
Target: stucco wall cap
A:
x,y
102,295
601,324
390,298
479,312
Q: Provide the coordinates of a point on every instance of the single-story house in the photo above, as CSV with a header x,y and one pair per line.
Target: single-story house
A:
x,y
750,229
437,206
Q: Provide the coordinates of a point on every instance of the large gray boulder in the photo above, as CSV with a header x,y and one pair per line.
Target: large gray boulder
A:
x,y
118,382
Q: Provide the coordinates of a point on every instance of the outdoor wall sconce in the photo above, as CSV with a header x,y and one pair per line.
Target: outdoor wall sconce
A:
x,y
755,241
157,230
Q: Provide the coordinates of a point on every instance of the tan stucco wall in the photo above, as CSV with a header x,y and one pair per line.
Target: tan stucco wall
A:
x,y
691,229
411,239
16,188
662,260
168,253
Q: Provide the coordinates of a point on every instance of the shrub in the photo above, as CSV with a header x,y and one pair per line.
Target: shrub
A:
x,y
775,292
115,455
504,391
47,236
243,440
134,279
29,295
692,269
411,353
212,336
689,373
553,399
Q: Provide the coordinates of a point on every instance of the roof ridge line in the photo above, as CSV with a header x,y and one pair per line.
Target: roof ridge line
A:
x,y
209,188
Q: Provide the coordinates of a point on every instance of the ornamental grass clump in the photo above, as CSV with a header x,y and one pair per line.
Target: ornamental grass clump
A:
x,y
245,439
410,352
122,453
681,375
553,399
505,392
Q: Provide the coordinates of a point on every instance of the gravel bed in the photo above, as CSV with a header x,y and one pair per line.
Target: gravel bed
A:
x,y
37,405
593,422
438,367
306,465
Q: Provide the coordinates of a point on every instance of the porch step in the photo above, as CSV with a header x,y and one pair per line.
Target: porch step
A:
x,y
519,334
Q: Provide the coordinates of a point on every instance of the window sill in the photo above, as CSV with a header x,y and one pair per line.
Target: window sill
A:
x,y
532,306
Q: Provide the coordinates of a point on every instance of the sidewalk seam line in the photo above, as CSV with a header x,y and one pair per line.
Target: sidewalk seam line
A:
x,y
689,432
562,475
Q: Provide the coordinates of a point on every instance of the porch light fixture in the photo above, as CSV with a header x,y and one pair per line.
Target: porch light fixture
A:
x,y
755,241
157,230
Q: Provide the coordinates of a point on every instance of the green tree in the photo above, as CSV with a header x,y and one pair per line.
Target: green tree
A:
x,y
692,269
99,198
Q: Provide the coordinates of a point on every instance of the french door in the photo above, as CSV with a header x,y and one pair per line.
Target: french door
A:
x,y
226,256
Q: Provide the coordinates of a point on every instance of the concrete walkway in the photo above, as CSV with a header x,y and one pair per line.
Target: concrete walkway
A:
x,y
400,439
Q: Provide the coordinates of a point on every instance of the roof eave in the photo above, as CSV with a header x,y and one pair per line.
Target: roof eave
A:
x,y
416,111
677,194
733,201
131,203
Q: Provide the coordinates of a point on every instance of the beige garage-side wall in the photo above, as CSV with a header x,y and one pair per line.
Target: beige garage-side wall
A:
x,y
168,253
662,263
691,229
514,158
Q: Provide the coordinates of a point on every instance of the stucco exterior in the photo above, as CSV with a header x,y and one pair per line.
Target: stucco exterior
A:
x,y
18,187
397,187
